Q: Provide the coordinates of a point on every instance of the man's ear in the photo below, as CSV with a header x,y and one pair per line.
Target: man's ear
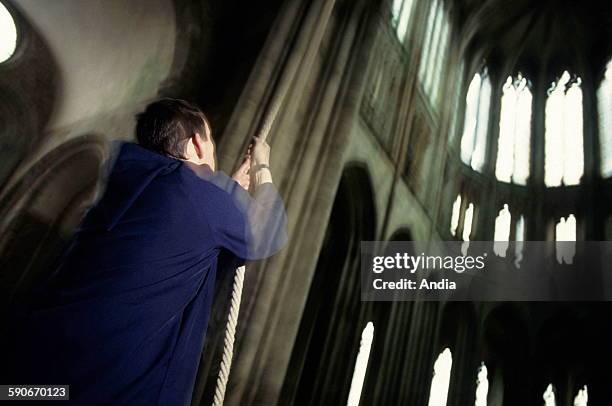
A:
x,y
198,144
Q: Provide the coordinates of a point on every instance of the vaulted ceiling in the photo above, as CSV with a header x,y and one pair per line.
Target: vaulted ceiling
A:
x,y
539,36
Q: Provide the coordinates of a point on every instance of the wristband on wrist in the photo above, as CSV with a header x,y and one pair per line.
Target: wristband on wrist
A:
x,y
256,168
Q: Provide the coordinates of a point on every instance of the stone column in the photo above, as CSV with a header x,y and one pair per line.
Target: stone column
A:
x,y
308,140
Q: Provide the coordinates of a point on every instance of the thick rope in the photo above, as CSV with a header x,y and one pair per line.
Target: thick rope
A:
x,y
310,45
228,341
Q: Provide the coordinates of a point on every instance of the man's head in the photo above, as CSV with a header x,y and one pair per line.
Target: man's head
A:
x,y
178,129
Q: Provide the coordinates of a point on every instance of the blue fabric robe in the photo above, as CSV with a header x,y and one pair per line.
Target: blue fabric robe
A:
x,y
123,318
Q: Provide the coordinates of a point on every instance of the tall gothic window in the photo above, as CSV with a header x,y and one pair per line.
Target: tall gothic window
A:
x,y
549,396
474,139
564,161
604,101
455,215
456,101
502,232
565,231
435,48
467,222
501,236
441,379
519,238
582,398
502,225
401,15
514,131
482,386
361,365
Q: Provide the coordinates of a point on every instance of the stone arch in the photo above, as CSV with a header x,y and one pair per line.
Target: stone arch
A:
x,y
324,353
26,105
401,234
572,350
41,211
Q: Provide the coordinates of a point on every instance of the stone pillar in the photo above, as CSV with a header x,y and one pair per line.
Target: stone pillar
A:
x,y
462,388
419,355
330,43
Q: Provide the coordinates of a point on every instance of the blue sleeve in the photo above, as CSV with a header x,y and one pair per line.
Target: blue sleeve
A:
x,y
251,227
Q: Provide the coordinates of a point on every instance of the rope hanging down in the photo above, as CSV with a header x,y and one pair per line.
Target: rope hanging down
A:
x,y
232,318
228,340
305,49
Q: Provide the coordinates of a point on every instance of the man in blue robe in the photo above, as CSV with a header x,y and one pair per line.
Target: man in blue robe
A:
x,y
122,319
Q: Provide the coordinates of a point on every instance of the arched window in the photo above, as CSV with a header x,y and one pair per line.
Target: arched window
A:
x,y
401,15
467,222
502,231
437,60
519,238
455,215
433,57
452,132
482,386
565,229
565,232
474,139
361,364
514,132
549,396
8,34
502,225
564,160
604,104
441,379
582,398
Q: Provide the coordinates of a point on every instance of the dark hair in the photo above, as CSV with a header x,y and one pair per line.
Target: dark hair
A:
x,y
167,124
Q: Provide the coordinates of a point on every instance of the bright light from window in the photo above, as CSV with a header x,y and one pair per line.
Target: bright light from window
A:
x,y
441,379
549,396
431,16
455,215
482,386
432,83
502,232
582,398
565,230
474,139
396,10
564,161
434,54
467,222
519,238
8,34
604,101
456,101
514,132
361,365
401,14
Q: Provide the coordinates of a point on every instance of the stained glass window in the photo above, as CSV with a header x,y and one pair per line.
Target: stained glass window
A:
x,y
474,139
513,146
441,379
564,161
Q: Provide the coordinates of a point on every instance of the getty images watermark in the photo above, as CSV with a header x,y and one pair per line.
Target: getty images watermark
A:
x,y
486,271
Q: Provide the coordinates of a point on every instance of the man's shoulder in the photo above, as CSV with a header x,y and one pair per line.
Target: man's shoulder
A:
x,y
201,177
